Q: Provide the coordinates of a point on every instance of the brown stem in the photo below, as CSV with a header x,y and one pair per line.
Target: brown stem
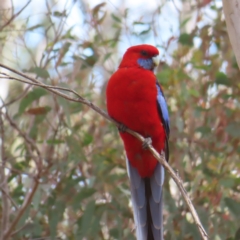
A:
x,y
14,16
27,202
4,186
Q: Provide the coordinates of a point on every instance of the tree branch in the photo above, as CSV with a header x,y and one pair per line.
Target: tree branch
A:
x,y
14,16
160,158
27,202
231,11
4,185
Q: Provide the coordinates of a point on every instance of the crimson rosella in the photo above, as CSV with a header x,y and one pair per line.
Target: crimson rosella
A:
x,y
136,100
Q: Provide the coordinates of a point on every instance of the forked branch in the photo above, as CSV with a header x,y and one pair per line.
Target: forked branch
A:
x,y
77,98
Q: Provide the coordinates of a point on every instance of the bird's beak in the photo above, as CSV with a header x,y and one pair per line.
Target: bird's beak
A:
x,y
156,60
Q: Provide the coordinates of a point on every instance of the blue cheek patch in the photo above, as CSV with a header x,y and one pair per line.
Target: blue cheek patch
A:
x,y
146,63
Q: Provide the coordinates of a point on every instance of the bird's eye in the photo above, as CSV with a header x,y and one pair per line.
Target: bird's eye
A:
x,y
144,53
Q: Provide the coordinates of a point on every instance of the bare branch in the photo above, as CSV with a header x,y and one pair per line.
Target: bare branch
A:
x,y
14,16
27,202
160,158
4,186
15,99
231,11
9,197
30,143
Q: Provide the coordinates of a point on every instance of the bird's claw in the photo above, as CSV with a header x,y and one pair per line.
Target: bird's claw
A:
x,y
162,154
122,128
146,143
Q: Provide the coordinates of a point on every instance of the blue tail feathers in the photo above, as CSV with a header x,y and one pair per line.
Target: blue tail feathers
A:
x,y
147,203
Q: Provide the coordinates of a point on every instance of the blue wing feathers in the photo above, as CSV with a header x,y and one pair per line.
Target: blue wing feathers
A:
x,y
162,105
163,111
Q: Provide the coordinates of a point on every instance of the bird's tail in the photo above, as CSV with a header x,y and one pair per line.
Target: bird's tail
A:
x,y
147,203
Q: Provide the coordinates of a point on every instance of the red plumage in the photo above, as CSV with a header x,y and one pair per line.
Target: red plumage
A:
x,y
131,100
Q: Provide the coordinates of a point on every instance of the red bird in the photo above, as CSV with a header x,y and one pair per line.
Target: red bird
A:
x,y
136,100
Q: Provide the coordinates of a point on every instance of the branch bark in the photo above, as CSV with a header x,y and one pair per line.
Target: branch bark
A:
x,y
80,99
4,185
231,11
14,16
27,202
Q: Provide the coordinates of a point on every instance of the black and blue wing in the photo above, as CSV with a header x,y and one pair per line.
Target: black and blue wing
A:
x,y
163,112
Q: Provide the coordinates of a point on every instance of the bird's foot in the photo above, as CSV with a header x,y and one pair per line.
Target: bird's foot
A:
x,y
162,154
147,142
177,172
122,128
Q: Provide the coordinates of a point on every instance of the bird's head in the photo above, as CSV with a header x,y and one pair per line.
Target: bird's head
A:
x,y
143,56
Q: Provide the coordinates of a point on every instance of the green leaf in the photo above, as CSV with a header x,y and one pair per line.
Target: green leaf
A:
x,y
75,107
100,20
37,121
184,22
194,92
36,199
233,129
186,39
83,194
35,94
97,8
40,72
87,139
34,27
204,129
86,220
227,182
138,23
59,14
172,208
65,48
65,104
221,78
145,31
55,216
115,233
233,206
164,75
25,216
191,229
107,56
204,216
117,19
180,124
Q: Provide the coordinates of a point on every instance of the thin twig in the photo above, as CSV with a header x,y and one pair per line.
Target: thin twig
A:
x,y
160,158
14,16
19,172
27,139
9,197
15,99
4,186
20,229
27,202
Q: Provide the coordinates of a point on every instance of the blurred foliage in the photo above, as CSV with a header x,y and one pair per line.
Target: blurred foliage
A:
x,y
77,157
